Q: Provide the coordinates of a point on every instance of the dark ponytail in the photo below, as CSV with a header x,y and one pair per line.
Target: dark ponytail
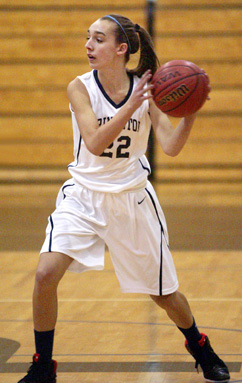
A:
x,y
136,38
148,58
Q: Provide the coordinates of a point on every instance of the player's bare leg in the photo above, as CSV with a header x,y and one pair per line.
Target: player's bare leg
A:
x,y
178,310
50,270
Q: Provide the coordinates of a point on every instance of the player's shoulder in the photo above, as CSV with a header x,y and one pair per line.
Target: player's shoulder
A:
x,y
79,82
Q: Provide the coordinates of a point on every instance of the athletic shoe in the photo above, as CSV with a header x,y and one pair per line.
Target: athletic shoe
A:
x,y
214,369
41,371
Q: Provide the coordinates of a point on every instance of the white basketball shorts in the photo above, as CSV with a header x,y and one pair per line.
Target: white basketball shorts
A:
x,y
131,224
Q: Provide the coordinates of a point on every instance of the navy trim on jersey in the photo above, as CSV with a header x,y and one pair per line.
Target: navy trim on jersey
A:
x,y
51,232
77,156
95,73
162,233
63,189
144,167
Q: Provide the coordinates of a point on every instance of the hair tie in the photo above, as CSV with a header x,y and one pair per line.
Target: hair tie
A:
x,y
117,22
137,27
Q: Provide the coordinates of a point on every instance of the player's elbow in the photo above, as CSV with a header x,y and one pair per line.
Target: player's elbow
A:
x,y
171,151
94,146
94,149
96,152
96,143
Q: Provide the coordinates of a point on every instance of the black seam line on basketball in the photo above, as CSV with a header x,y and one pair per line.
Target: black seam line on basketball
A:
x,y
178,65
201,98
51,233
162,231
188,96
184,78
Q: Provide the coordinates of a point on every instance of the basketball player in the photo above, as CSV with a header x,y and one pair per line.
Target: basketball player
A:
x,y
109,200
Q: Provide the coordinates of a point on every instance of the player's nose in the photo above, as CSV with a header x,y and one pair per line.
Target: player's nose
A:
x,y
88,44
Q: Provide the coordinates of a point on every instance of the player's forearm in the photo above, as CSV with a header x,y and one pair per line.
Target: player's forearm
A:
x,y
179,136
107,133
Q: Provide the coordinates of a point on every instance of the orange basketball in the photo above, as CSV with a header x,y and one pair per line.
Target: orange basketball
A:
x,y
180,88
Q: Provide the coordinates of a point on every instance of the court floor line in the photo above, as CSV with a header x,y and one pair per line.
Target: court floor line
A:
x,y
117,354
123,300
72,321
145,366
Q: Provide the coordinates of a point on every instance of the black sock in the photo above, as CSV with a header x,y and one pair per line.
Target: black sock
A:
x,y
191,334
44,341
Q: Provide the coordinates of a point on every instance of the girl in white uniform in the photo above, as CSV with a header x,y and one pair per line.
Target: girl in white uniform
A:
x,y
108,200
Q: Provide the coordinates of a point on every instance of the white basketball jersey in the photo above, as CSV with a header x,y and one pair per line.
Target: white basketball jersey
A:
x,y
123,165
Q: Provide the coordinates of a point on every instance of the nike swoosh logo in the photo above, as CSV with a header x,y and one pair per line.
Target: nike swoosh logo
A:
x,y
139,202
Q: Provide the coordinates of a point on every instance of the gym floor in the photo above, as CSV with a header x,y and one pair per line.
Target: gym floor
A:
x,y
103,335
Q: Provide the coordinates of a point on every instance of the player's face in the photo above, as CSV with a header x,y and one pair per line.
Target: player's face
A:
x,y
101,45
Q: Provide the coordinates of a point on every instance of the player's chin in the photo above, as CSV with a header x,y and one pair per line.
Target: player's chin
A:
x,y
95,65
92,63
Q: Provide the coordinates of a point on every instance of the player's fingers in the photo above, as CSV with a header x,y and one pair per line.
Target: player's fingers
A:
x,y
209,90
147,97
148,88
144,79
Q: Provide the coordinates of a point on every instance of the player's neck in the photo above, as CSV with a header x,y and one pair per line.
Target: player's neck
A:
x,y
114,81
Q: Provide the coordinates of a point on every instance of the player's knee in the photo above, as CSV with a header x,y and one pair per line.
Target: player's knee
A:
x,y
164,301
45,278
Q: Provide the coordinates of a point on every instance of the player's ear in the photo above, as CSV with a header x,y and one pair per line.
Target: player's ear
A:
x,y
122,49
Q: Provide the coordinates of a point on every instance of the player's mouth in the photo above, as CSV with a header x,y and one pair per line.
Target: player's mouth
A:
x,y
90,57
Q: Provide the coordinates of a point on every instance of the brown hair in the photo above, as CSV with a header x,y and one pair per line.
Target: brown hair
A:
x,y
136,38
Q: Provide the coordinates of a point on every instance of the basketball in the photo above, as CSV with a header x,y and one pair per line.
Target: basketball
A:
x,y
180,88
